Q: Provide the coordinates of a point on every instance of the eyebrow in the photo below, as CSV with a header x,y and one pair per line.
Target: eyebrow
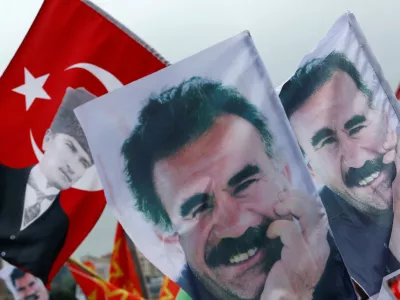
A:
x,y
71,146
355,120
192,202
247,171
85,161
320,135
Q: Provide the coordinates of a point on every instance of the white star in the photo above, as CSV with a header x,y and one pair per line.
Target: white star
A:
x,y
32,88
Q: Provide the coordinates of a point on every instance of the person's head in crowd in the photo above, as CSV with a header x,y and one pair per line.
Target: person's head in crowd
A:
x,y
66,151
27,286
341,131
201,162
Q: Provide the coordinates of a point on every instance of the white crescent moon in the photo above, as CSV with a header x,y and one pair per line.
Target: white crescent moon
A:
x,y
90,181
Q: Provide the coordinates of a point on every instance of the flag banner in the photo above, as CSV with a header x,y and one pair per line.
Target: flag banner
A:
x,y
206,177
398,93
94,287
390,289
344,116
122,272
22,285
50,193
169,289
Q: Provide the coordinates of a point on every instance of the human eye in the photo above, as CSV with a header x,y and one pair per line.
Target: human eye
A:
x,y
71,146
356,130
201,208
244,186
85,163
328,141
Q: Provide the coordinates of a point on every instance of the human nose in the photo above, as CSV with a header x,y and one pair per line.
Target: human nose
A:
x,y
29,291
350,154
74,165
227,216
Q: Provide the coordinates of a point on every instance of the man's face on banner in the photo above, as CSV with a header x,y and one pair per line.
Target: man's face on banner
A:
x,y
343,138
29,288
64,161
220,192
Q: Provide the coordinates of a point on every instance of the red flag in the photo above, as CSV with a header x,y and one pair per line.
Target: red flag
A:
x,y
398,93
95,287
90,265
169,289
70,44
122,268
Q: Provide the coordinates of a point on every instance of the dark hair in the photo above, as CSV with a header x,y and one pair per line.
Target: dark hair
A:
x,y
171,120
65,120
315,73
16,274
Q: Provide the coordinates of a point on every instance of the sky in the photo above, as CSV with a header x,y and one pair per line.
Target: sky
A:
x,y
283,32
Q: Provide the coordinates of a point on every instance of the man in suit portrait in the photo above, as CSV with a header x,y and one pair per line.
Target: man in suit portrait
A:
x,y
349,140
32,221
27,286
201,164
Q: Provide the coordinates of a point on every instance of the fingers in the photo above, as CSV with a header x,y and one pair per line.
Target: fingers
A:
x,y
307,209
293,202
277,285
397,159
389,157
389,147
288,232
301,263
390,141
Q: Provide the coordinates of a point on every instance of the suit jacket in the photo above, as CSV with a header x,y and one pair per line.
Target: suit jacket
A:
x,y
37,246
334,284
362,240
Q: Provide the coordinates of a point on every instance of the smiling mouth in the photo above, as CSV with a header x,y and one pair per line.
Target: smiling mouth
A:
x,y
235,251
367,180
242,257
368,173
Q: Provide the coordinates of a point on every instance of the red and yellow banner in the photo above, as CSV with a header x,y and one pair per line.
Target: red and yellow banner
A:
x,y
95,287
122,268
169,289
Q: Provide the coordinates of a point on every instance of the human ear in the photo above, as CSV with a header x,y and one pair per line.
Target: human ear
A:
x,y
48,137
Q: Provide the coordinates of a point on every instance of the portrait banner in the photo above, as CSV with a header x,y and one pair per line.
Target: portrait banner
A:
x,y
201,168
50,193
23,285
344,116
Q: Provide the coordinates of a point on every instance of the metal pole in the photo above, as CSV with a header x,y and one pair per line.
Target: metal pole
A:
x,y
3,288
138,267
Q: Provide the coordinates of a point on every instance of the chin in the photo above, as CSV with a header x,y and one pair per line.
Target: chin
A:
x,y
61,185
246,289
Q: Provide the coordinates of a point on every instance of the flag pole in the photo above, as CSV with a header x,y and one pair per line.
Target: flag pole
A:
x,y
3,291
138,267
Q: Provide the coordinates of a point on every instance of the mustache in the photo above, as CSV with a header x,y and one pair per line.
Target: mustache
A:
x,y
67,172
250,242
354,176
31,297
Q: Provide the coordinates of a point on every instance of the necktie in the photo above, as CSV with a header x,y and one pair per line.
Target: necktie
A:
x,y
32,212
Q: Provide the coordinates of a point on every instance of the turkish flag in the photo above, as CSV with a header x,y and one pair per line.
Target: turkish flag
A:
x,y
398,93
69,45
169,289
96,288
122,268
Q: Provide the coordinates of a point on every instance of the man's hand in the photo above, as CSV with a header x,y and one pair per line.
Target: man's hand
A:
x,y
392,144
306,249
